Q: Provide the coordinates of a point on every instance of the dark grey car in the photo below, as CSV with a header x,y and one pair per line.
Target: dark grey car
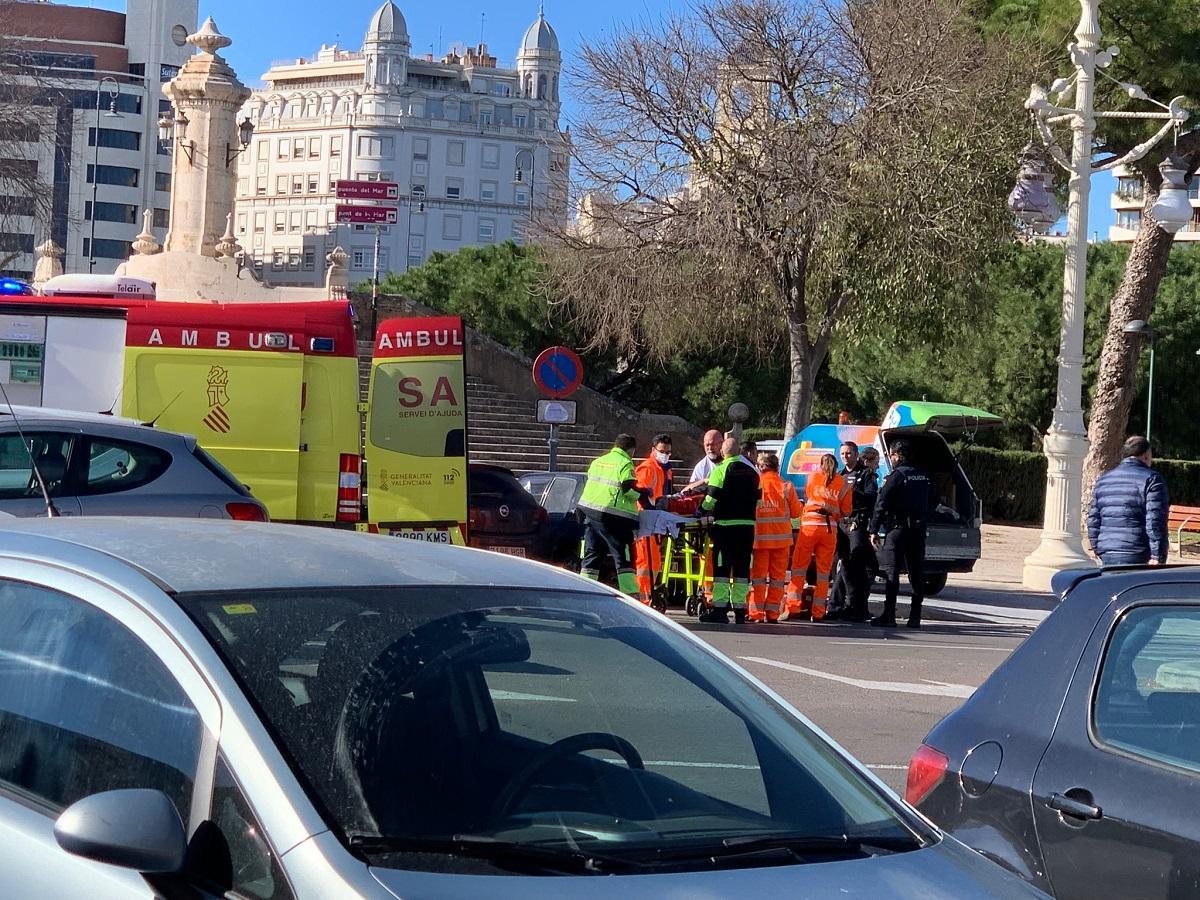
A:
x,y
99,465
1077,763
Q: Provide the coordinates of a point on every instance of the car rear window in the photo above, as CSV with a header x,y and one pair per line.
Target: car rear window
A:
x,y
491,483
211,463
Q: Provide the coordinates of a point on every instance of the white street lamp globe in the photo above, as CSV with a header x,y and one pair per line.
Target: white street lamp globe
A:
x,y
1173,210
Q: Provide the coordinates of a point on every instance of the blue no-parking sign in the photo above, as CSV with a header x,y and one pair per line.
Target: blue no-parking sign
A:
x,y
558,372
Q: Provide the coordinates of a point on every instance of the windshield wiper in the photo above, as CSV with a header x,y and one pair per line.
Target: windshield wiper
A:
x,y
789,847
507,853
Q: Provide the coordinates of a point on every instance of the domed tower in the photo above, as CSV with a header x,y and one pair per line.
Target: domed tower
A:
x,y
539,61
386,50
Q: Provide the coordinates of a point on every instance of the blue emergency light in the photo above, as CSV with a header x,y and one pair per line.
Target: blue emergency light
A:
x,y
321,345
14,287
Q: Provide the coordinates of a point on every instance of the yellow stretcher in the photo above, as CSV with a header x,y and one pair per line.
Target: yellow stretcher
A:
x,y
682,569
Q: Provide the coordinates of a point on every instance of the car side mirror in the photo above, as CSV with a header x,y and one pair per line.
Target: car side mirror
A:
x,y
136,829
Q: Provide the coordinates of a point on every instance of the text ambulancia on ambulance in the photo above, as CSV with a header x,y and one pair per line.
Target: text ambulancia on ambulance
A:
x,y
272,391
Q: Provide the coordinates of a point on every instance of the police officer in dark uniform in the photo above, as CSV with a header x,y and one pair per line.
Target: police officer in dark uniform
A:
x,y
898,532
857,556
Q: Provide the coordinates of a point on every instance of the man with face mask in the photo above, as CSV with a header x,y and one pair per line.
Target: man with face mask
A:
x,y
654,478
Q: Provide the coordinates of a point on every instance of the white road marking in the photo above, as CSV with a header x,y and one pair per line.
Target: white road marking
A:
x,y
517,695
681,764
889,768
897,687
914,644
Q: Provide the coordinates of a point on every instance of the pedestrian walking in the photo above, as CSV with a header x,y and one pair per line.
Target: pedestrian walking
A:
x,y
609,503
1127,521
898,532
827,501
857,570
732,501
654,479
777,518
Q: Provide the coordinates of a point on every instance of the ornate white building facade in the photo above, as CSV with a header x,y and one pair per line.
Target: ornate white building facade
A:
x,y
474,146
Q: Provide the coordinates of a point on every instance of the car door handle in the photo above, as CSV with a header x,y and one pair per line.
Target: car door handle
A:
x,y
1076,808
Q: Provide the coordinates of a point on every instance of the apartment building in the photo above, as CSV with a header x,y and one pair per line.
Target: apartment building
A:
x,y
1127,200
473,143
94,78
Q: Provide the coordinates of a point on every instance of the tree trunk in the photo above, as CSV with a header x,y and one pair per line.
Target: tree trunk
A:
x,y
801,379
1134,299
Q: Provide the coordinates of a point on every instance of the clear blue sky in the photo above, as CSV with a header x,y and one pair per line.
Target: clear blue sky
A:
x,y
267,30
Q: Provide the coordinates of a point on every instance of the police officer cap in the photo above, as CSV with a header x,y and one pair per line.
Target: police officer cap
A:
x,y
902,448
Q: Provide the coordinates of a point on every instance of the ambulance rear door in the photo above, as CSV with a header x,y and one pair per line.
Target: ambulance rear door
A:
x,y
416,436
231,375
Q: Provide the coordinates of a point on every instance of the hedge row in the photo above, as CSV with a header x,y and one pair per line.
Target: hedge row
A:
x,y
1012,483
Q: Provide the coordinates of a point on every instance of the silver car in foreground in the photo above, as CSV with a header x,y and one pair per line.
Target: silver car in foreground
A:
x,y
203,708
100,465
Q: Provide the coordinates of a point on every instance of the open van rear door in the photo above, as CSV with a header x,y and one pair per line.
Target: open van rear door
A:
x,y
944,418
416,435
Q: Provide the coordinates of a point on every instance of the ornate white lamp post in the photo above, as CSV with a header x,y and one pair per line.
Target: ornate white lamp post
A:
x,y
1070,102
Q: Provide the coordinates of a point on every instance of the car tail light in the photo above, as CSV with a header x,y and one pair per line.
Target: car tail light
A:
x,y
349,499
925,772
247,512
540,516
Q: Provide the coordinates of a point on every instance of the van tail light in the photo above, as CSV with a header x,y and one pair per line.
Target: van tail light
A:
x,y
349,498
925,772
247,512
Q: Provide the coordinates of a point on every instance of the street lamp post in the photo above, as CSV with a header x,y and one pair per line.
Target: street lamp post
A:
x,y
1069,101
114,92
1143,329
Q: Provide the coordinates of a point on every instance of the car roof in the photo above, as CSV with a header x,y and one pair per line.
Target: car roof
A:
x,y
186,555
43,414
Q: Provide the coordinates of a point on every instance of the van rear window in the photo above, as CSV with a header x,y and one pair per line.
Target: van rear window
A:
x,y
211,463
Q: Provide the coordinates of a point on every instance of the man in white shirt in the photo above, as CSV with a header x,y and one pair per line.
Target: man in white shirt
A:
x,y
710,460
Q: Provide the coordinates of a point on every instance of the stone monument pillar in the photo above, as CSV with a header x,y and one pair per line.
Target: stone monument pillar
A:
x,y
49,264
207,96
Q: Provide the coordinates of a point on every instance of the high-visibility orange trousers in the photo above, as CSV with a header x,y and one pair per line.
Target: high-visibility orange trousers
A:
x,y
819,541
768,575
647,565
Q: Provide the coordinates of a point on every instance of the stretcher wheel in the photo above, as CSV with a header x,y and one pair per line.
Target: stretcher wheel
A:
x,y
658,599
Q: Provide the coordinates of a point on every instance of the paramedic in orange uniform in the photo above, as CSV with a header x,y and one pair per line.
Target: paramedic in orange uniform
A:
x,y
828,500
779,511
654,476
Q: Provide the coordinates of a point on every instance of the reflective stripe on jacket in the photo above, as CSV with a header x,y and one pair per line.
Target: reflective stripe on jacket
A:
x,y
826,503
603,491
779,510
732,492
651,475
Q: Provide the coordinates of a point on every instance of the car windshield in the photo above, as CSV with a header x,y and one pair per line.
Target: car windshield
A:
x,y
428,720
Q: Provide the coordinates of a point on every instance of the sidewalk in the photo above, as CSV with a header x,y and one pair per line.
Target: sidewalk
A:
x,y
993,592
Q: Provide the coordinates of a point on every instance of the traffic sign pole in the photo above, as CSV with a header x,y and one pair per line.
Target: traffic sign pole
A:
x,y
558,372
553,442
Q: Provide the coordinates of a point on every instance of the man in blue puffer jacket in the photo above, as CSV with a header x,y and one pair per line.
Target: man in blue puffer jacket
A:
x,y
1127,524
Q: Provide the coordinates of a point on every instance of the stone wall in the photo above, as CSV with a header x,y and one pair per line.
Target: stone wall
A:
x,y
512,372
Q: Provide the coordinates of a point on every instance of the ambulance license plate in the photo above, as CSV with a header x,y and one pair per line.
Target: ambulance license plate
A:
x,y
420,534
511,551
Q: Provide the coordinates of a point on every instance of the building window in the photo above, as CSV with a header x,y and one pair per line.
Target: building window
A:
x,y
281,184
125,213
485,118
260,221
116,139
490,156
420,148
263,150
243,187
280,222
162,182
521,197
418,191
359,259
310,221
455,153
487,230
284,149
1130,219
314,184
519,120
241,223
106,248
454,188
314,148
16,206
293,260
414,261
335,145
118,175
297,184
375,147
452,228
310,260
487,191
298,148
23,243
162,218
1129,188
296,222
260,186
502,90
277,259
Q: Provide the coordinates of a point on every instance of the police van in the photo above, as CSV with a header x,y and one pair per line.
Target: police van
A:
x,y
955,519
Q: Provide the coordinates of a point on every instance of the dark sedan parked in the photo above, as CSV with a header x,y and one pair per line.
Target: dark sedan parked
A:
x,y
1077,763
503,517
